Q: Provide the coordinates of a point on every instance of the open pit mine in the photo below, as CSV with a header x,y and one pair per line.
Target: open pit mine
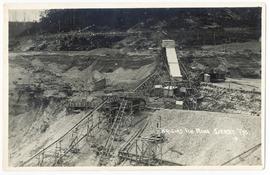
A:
x,y
176,92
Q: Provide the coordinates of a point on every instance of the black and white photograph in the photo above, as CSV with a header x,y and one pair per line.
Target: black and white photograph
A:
x,y
135,87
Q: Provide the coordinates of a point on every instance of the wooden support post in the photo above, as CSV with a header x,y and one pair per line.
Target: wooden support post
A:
x,y
41,158
98,126
160,125
55,154
161,151
89,126
136,151
60,151
142,151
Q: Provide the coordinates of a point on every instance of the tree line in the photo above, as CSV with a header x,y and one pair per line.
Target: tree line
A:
x,y
65,20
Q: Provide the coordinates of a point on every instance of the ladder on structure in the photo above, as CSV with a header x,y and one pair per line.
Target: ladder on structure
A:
x,y
118,120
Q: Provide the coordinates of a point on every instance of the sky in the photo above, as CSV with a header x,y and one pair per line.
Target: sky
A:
x,y
25,15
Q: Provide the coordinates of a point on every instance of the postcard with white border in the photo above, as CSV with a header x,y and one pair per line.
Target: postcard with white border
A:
x,y
94,86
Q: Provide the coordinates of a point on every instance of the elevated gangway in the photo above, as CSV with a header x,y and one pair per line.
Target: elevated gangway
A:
x,y
171,60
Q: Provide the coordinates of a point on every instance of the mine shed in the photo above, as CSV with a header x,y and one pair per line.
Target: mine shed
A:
x,y
217,76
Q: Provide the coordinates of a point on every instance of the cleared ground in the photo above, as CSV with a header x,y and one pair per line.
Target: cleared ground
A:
x,y
206,138
243,83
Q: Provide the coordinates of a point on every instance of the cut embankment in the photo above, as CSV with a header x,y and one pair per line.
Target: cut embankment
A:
x,y
206,138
